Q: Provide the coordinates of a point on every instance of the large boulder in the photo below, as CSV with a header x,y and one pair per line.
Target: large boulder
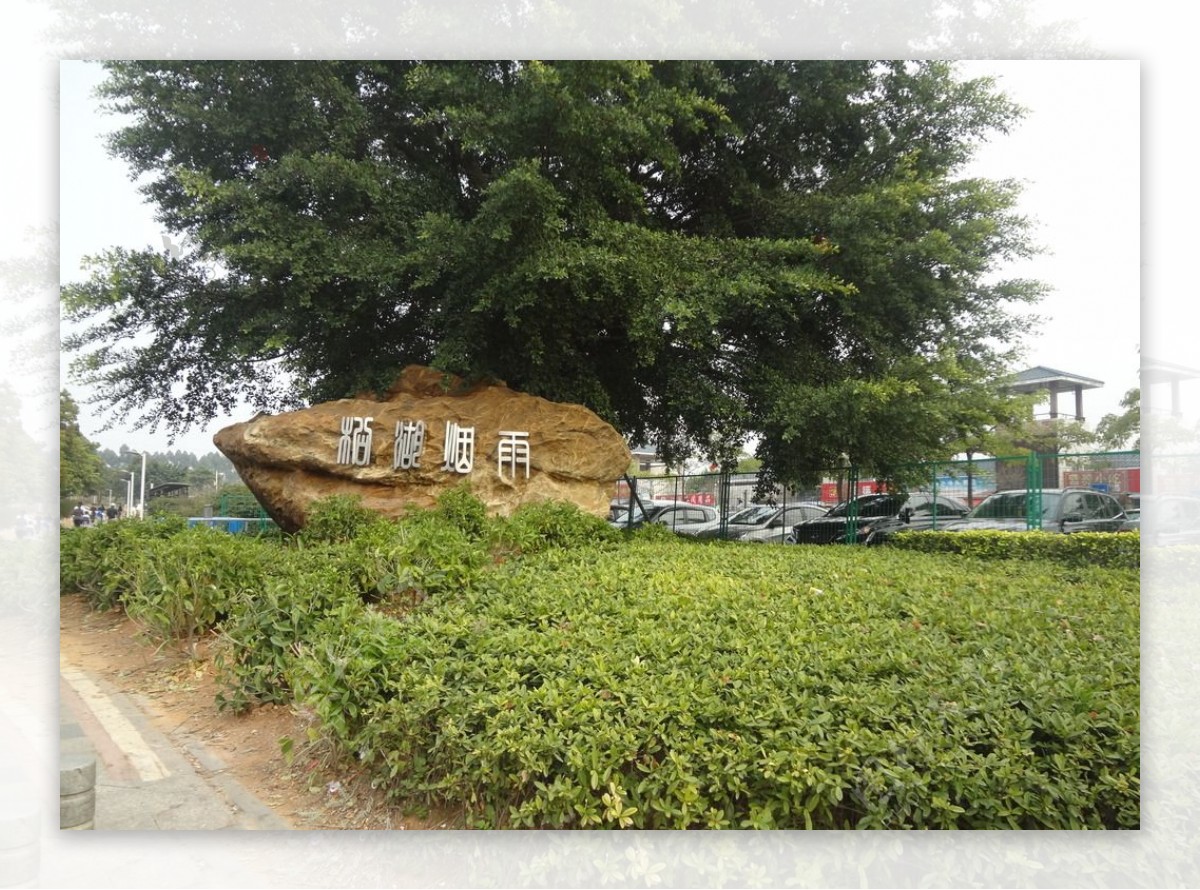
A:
x,y
391,451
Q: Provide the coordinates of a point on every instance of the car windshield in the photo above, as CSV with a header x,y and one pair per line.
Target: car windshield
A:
x,y
871,505
1013,505
753,515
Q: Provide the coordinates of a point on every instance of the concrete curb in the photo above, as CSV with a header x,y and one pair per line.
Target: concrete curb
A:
x,y
76,791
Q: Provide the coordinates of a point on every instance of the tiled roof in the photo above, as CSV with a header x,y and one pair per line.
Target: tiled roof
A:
x,y
1041,377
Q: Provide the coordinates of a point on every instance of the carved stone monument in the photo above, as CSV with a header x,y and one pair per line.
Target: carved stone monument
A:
x,y
428,433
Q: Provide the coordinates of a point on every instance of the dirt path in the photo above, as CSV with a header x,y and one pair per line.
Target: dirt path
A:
x,y
177,693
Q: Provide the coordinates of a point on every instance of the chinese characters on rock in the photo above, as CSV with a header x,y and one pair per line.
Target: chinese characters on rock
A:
x,y
458,455
410,439
459,452
355,445
513,452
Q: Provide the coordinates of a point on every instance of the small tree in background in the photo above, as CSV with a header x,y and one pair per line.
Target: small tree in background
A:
x,y
1124,430
80,469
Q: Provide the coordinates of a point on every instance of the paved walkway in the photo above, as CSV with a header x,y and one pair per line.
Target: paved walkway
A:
x,y
143,779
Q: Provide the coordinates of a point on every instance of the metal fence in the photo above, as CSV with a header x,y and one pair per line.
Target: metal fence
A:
x,y
970,481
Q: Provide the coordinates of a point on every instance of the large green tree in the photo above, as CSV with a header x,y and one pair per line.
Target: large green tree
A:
x,y
702,252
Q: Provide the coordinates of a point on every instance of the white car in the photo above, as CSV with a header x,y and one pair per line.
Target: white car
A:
x,y
759,522
779,526
677,516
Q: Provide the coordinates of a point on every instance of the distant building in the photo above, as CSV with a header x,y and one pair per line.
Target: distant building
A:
x,y
1053,383
168,490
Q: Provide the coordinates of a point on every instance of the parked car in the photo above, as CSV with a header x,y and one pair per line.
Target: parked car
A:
x,y
765,522
712,528
1064,510
780,524
674,515
879,517
616,509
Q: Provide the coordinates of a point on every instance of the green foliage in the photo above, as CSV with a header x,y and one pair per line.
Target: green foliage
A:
x,y
654,686
594,680
1118,430
338,518
349,558
80,469
102,562
772,248
1105,550
266,626
184,585
464,511
533,528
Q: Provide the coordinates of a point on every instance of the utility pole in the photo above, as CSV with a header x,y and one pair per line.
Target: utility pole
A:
x,y
142,505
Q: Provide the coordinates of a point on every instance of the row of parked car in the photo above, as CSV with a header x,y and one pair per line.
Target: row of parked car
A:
x,y
879,516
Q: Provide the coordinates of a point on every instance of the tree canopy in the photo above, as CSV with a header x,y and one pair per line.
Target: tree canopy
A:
x,y
703,253
1123,430
80,469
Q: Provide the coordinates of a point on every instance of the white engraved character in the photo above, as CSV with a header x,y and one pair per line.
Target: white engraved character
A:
x,y
410,439
513,452
362,441
459,452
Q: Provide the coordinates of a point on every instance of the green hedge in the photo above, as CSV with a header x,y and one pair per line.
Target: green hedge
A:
x,y
1113,550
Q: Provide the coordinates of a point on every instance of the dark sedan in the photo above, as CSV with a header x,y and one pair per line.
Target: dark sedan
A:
x,y
879,516
1063,510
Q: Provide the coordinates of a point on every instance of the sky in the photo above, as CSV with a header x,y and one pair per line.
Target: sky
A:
x,y
1076,153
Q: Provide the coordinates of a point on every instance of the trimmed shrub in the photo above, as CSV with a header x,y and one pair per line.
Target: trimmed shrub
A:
x,y
261,636
406,562
464,511
102,561
597,680
1118,550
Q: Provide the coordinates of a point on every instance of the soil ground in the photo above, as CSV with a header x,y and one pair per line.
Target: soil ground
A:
x,y
178,693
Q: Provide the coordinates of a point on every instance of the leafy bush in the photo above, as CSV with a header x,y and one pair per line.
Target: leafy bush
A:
x,y
102,561
1113,550
265,627
533,528
184,585
597,680
420,556
464,511
338,518
660,686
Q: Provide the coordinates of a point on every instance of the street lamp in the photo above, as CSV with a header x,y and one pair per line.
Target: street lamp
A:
x,y
129,492
142,505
